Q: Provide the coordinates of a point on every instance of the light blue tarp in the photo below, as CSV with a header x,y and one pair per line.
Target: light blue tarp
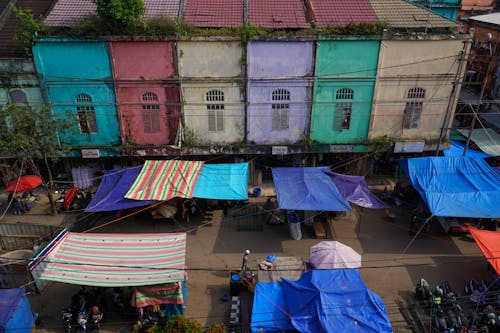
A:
x,y
457,149
321,301
111,192
16,315
455,186
307,189
223,181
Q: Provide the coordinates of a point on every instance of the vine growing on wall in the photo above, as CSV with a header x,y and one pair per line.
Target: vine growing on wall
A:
x,y
381,144
375,28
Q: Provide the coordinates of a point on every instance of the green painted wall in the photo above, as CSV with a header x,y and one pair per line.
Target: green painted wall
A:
x,y
343,63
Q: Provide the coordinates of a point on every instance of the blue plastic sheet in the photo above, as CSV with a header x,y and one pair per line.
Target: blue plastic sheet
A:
x,y
457,149
355,190
455,186
111,192
16,315
223,181
307,189
321,301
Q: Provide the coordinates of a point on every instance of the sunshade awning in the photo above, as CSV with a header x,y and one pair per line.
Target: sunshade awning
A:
x,y
164,180
355,190
489,243
486,139
223,181
112,189
455,186
112,260
307,189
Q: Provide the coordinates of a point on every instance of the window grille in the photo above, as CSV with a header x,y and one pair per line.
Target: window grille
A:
x,y
150,113
86,114
280,111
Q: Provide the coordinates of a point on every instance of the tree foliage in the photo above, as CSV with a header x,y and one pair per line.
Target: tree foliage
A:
x,y
121,12
31,134
27,28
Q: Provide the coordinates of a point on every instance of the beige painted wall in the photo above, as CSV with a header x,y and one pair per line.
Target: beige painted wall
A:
x,y
198,59
196,117
429,64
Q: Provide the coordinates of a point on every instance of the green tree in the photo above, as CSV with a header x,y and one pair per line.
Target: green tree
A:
x,y
120,12
27,28
31,135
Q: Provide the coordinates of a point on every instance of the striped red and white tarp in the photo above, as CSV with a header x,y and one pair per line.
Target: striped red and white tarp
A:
x,y
164,180
110,260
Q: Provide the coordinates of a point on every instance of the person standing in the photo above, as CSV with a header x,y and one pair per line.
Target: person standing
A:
x,y
245,261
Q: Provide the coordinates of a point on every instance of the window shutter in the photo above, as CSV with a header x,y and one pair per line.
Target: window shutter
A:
x,y
337,117
220,120
211,121
276,119
92,122
146,119
155,118
284,119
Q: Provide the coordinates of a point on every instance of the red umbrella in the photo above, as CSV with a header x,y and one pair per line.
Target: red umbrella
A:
x,y
26,183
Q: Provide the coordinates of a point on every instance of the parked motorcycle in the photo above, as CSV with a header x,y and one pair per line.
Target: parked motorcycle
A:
x,y
94,319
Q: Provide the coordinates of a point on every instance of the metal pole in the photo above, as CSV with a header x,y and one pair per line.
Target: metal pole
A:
x,y
472,124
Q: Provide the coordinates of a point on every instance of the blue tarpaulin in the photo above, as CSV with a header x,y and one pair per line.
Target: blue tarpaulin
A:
x,y
455,186
16,315
355,190
111,192
307,189
457,149
321,301
223,181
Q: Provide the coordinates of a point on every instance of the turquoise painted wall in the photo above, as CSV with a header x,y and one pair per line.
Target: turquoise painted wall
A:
x,y
71,67
343,63
449,12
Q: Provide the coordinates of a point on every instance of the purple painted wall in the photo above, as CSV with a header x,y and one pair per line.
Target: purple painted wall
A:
x,y
274,66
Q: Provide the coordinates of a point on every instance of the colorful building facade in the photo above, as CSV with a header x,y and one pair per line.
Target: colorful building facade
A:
x,y
279,91
345,74
76,79
147,92
213,93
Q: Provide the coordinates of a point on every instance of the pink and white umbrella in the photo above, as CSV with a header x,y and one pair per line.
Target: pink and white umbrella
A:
x,y
333,255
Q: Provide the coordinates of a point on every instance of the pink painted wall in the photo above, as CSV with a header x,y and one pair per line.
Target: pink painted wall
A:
x,y
143,60
139,68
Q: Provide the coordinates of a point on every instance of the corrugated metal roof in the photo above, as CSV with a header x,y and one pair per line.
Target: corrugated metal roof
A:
x,y
214,13
400,14
493,18
341,12
8,48
67,13
277,14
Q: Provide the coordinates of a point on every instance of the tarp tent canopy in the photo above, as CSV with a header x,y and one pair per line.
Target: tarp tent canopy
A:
x,y
321,301
114,260
111,192
457,149
164,180
489,243
16,315
355,190
307,189
223,181
455,186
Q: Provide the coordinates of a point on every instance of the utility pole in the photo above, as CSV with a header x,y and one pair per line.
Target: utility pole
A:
x,y
451,100
472,124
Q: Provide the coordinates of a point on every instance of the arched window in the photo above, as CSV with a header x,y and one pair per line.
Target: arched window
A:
x,y
413,110
343,109
280,109
150,112
18,96
86,114
215,110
